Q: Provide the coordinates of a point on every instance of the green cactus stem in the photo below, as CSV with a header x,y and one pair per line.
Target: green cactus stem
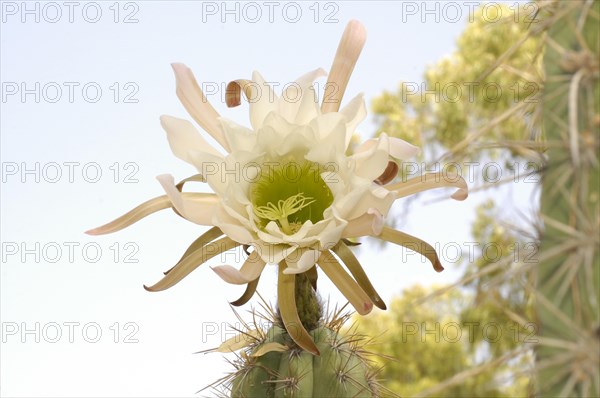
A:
x,y
568,275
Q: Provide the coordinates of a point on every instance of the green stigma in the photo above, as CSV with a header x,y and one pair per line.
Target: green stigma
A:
x,y
290,195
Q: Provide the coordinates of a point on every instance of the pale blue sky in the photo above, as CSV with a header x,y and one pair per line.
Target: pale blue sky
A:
x,y
168,326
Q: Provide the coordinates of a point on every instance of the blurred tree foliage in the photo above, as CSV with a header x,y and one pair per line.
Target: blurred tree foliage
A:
x,y
473,342
488,90
481,102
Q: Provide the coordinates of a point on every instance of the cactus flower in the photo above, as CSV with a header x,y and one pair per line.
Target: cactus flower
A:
x,y
287,189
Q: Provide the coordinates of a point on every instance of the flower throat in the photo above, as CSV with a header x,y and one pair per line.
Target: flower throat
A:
x,y
290,194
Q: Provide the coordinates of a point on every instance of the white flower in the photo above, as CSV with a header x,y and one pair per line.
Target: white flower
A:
x,y
287,186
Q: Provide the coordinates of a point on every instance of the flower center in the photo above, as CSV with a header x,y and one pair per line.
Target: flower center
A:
x,y
290,194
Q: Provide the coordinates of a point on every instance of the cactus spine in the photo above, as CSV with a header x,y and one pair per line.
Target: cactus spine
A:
x,y
568,276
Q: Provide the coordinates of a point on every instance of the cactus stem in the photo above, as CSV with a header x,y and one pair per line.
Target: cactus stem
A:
x,y
307,303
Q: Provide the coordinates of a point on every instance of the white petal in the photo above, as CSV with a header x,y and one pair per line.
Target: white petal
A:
x,y
334,181
308,78
298,103
231,226
194,101
265,103
272,233
331,236
273,131
212,169
308,108
301,261
184,138
305,236
330,130
273,254
372,162
362,198
354,113
366,145
239,137
298,140
329,123
332,229
398,148
401,149
370,223
199,211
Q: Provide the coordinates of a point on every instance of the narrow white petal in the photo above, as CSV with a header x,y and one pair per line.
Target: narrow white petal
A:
x,y
229,274
133,216
269,347
429,181
351,44
240,341
188,264
253,266
184,139
412,243
251,270
198,210
194,101
346,285
289,312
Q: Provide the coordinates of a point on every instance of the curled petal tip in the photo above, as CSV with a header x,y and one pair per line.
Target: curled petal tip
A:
x,y
232,97
438,266
93,231
148,289
388,175
460,195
